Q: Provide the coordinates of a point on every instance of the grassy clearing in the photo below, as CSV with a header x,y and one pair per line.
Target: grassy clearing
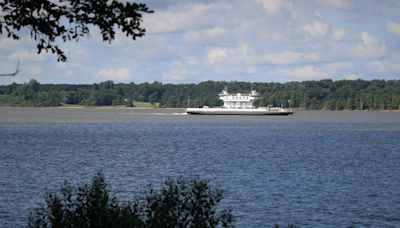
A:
x,y
136,105
146,104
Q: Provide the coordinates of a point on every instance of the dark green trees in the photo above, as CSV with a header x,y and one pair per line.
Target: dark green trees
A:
x,y
316,95
179,203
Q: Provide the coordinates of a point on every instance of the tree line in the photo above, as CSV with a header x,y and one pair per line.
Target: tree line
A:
x,y
315,95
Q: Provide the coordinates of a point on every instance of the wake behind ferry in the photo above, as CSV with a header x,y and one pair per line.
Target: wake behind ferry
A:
x,y
239,104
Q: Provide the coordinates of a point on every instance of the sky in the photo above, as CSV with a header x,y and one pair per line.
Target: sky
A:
x,y
229,40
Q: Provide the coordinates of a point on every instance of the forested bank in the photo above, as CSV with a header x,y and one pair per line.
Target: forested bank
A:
x,y
323,94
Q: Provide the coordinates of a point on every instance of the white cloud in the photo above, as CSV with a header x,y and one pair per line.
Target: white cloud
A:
x,y
115,74
376,66
81,54
393,28
8,43
337,4
165,21
35,70
311,72
62,65
338,34
216,31
218,54
270,6
244,50
306,72
183,17
24,55
367,39
242,54
353,76
291,57
251,70
233,71
191,60
178,75
394,67
335,67
384,67
174,76
317,29
206,35
369,47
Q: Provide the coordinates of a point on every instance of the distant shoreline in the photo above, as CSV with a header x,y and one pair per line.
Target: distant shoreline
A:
x,y
110,108
121,107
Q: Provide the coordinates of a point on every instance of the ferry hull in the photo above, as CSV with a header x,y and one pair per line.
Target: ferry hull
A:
x,y
227,111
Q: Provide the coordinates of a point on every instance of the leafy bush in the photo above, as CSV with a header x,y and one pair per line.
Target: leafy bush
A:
x,y
179,203
10,100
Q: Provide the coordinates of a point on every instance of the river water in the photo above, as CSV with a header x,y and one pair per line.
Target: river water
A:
x,y
313,169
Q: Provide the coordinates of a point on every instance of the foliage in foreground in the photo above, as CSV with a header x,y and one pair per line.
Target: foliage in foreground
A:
x,y
179,203
69,20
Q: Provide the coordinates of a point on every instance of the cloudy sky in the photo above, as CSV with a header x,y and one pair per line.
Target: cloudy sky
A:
x,y
243,40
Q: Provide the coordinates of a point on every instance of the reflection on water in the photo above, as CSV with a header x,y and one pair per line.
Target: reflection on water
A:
x,y
314,169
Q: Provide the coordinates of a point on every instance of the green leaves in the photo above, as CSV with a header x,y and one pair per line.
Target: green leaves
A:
x,y
69,20
179,203
186,203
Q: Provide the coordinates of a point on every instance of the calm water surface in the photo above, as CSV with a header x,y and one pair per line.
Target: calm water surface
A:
x,y
314,169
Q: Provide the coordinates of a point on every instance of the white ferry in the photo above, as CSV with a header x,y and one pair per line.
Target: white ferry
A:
x,y
239,104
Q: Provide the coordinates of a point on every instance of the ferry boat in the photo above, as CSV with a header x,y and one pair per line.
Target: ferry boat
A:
x,y
239,104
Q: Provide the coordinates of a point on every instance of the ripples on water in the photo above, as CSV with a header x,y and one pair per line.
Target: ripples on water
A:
x,y
314,169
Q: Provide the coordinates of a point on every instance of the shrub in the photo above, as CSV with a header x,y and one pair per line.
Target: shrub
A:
x,y
179,203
